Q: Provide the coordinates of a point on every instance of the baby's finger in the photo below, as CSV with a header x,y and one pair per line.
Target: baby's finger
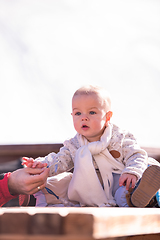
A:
x,y
29,165
41,165
34,165
44,164
25,158
134,182
128,182
23,163
122,181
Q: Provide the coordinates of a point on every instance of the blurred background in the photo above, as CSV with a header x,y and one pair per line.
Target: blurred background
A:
x,y
50,48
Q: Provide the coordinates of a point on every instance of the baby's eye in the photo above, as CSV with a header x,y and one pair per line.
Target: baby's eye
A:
x,y
77,113
92,112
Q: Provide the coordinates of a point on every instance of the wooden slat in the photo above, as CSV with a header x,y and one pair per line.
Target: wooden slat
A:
x,y
79,223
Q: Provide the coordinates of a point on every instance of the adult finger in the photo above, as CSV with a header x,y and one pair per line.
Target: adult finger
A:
x,y
38,188
34,181
41,177
34,171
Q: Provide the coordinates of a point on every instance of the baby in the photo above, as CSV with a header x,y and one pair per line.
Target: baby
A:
x,y
106,160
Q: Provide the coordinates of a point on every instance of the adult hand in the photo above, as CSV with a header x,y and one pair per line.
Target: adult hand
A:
x,y
27,180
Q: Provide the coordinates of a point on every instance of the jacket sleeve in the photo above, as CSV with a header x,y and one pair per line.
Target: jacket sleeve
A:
x,y
5,195
58,163
134,158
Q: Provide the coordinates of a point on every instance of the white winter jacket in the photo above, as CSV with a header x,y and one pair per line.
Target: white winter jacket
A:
x,y
123,147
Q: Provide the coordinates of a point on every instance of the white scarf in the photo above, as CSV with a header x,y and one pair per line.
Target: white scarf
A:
x,y
85,186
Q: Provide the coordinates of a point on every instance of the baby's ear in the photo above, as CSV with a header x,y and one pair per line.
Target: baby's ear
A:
x,y
108,116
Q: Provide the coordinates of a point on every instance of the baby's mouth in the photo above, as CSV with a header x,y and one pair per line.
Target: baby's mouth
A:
x,y
85,127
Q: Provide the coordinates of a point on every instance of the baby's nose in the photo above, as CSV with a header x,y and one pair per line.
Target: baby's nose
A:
x,y
84,118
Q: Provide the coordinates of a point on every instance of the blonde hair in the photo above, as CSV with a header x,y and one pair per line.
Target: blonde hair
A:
x,y
99,91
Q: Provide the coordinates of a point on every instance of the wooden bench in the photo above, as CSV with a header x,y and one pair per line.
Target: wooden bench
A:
x,y
30,223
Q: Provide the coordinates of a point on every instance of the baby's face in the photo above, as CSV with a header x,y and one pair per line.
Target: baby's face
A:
x,y
89,116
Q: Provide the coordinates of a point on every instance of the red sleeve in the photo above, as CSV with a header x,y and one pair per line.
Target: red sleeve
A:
x,y
5,195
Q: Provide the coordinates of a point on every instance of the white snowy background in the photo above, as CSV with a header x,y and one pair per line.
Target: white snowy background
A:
x,y
50,48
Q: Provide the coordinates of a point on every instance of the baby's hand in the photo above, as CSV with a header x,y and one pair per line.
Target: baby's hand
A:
x,y
28,162
31,163
126,179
